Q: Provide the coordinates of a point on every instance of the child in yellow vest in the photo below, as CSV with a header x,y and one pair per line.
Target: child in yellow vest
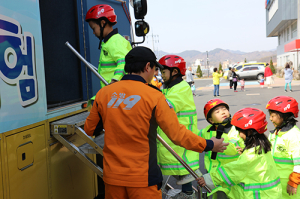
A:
x,y
217,114
285,139
253,175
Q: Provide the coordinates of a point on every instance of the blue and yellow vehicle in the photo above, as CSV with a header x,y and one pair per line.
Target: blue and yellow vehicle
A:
x,y
41,82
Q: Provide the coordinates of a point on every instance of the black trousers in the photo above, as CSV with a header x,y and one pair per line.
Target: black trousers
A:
x,y
234,85
230,83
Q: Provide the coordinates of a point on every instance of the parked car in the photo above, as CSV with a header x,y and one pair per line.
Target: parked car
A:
x,y
225,73
240,66
251,71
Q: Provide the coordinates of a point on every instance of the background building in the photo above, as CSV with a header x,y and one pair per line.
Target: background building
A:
x,y
282,21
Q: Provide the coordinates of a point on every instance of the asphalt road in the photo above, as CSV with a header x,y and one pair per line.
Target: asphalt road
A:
x,y
255,97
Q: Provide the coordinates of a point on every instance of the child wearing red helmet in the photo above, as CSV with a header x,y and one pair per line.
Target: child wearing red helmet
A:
x,y
285,139
216,112
114,47
179,95
254,173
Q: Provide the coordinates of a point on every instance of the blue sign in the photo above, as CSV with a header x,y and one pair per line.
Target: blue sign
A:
x,y
17,60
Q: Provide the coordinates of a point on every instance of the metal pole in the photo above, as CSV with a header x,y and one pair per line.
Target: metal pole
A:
x,y
158,137
186,166
86,63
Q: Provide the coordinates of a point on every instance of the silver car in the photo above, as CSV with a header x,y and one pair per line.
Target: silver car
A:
x,y
251,71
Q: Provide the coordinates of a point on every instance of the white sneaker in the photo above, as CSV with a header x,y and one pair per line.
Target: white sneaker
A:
x,y
172,193
188,178
182,195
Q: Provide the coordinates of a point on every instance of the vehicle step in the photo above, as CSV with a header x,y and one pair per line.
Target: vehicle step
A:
x,y
67,125
88,149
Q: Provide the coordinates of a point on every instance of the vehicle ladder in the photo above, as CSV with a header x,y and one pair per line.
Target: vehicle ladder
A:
x,y
62,129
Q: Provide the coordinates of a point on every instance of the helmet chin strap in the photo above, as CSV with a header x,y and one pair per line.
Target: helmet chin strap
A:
x,y
224,122
171,77
284,123
101,32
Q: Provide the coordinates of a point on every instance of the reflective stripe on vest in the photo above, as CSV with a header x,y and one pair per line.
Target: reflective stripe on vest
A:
x,y
177,166
225,177
221,156
283,160
120,61
261,186
295,161
235,142
108,64
119,72
188,113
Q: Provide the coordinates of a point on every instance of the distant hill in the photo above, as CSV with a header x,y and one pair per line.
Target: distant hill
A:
x,y
220,55
236,51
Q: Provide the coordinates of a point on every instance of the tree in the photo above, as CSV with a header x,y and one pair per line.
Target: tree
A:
x,y
272,66
199,71
245,60
220,66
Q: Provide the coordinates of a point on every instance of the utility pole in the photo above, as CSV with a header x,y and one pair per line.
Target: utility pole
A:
x,y
207,64
155,39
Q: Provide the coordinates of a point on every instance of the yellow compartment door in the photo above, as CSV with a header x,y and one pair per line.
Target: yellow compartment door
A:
x,y
27,164
1,174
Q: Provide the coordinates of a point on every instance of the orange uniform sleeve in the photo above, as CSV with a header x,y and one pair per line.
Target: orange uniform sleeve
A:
x,y
93,123
294,179
167,120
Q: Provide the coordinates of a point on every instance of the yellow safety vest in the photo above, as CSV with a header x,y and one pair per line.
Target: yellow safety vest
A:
x,y
181,98
112,58
286,154
252,176
229,155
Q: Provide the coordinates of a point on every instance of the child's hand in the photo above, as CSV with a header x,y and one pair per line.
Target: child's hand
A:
x,y
201,182
291,190
239,149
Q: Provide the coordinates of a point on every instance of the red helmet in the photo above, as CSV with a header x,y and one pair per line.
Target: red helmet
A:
x,y
212,104
174,61
284,104
101,10
250,118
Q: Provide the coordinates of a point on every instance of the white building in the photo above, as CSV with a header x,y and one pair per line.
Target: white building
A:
x,y
283,20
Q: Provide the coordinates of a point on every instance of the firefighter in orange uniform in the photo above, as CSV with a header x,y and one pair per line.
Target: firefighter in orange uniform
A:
x,y
130,112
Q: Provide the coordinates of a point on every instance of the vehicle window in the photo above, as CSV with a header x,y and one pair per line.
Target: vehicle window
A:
x,y
239,67
246,69
254,68
254,65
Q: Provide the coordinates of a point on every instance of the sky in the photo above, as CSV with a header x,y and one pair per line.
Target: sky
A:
x,y
205,25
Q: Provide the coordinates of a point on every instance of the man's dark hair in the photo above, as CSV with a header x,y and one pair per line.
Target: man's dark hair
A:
x,y
215,69
137,67
256,139
229,68
287,65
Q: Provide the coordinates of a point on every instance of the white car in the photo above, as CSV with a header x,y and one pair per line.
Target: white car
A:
x,y
251,71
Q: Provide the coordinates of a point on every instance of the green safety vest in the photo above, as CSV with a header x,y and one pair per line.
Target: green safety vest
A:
x,y
251,176
181,98
286,154
112,58
229,155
